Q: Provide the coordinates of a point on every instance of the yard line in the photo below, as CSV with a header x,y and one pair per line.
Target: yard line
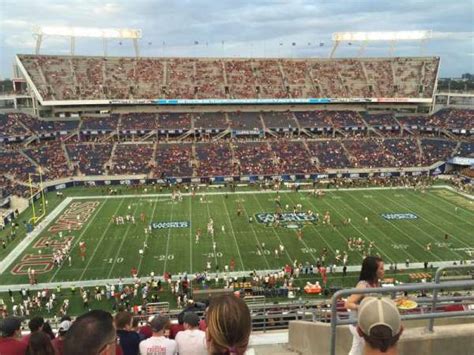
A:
x,y
212,236
168,240
452,203
147,235
79,238
255,235
233,234
427,220
100,240
274,231
447,211
190,237
397,228
362,233
317,231
121,243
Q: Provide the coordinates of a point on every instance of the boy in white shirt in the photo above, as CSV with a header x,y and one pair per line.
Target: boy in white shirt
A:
x,y
158,344
191,341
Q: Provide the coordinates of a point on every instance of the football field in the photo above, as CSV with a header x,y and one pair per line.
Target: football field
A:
x,y
401,224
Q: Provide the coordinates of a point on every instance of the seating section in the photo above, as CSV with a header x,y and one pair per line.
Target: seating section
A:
x,y
210,120
90,158
245,120
435,150
132,159
215,159
50,155
101,78
254,158
466,149
292,157
99,124
279,120
453,119
173,160
174,121
10,127
137,121
330,154
16,165
405,152
368,153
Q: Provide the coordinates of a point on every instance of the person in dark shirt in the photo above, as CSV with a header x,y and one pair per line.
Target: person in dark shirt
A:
x,y
129,340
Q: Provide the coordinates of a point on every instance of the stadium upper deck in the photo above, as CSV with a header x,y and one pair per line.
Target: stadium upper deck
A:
x,y
66,80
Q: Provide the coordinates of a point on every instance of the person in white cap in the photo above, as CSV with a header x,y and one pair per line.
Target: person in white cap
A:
x,y
58,342
380,325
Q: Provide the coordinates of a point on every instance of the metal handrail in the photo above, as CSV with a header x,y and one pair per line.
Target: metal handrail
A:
x,y
438,274
384,290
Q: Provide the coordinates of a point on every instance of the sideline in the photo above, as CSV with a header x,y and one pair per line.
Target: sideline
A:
x,y
130,280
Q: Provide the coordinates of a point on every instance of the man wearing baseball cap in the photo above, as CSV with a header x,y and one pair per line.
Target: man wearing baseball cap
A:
x,y
58,342
191,341
158,344
10,335
380,325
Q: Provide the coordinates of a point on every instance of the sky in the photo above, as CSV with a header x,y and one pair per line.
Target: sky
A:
x,y
243,28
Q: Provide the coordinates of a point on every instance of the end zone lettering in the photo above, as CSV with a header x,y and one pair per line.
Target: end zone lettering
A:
x,y
164,225
399,216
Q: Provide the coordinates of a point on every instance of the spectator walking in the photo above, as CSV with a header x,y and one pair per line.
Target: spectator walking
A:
x,y
372,271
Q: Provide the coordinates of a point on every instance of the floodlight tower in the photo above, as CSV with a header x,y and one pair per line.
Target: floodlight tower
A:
x,y
73,32
391,37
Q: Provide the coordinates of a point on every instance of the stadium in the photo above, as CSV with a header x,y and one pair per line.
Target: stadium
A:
x,y
269,177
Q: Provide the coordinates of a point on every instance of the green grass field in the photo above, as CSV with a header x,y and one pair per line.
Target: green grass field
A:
x,y
112,250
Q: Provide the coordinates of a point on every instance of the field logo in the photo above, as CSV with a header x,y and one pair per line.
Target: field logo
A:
x,y
166,225
399,216
288,220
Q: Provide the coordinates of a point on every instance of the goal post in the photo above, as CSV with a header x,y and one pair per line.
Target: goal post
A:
x,y
42,212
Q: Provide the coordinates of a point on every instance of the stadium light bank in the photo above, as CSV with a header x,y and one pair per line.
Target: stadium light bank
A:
x,y
365,37
72,32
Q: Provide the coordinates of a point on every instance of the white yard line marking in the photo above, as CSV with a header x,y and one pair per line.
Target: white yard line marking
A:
x,y
148,234
233,234
277,235
121,243
100,240
256,238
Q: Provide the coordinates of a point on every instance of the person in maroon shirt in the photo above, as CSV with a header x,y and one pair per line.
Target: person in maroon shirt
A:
x,y
10,334
58,342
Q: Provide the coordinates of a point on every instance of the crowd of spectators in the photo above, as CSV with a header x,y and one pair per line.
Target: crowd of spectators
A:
x,y
175,121
132,159
210,120
10,127
16,164
214,159
99,124
453,119
173,160
140,121
90,158
279,120
330,154
314,119
466,149
245,120
405,152
368,153
50,155
435,150
379,120
292,157
254,158
67,78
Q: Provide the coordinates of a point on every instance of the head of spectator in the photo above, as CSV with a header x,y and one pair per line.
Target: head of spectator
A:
x,y
372,270
48,330
123,320
190,320
228,326
64,327
159,324
36,323
40,344
10,327
380,325
92,333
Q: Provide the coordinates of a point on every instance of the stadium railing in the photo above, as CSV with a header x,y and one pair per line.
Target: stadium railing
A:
x,y
336,318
